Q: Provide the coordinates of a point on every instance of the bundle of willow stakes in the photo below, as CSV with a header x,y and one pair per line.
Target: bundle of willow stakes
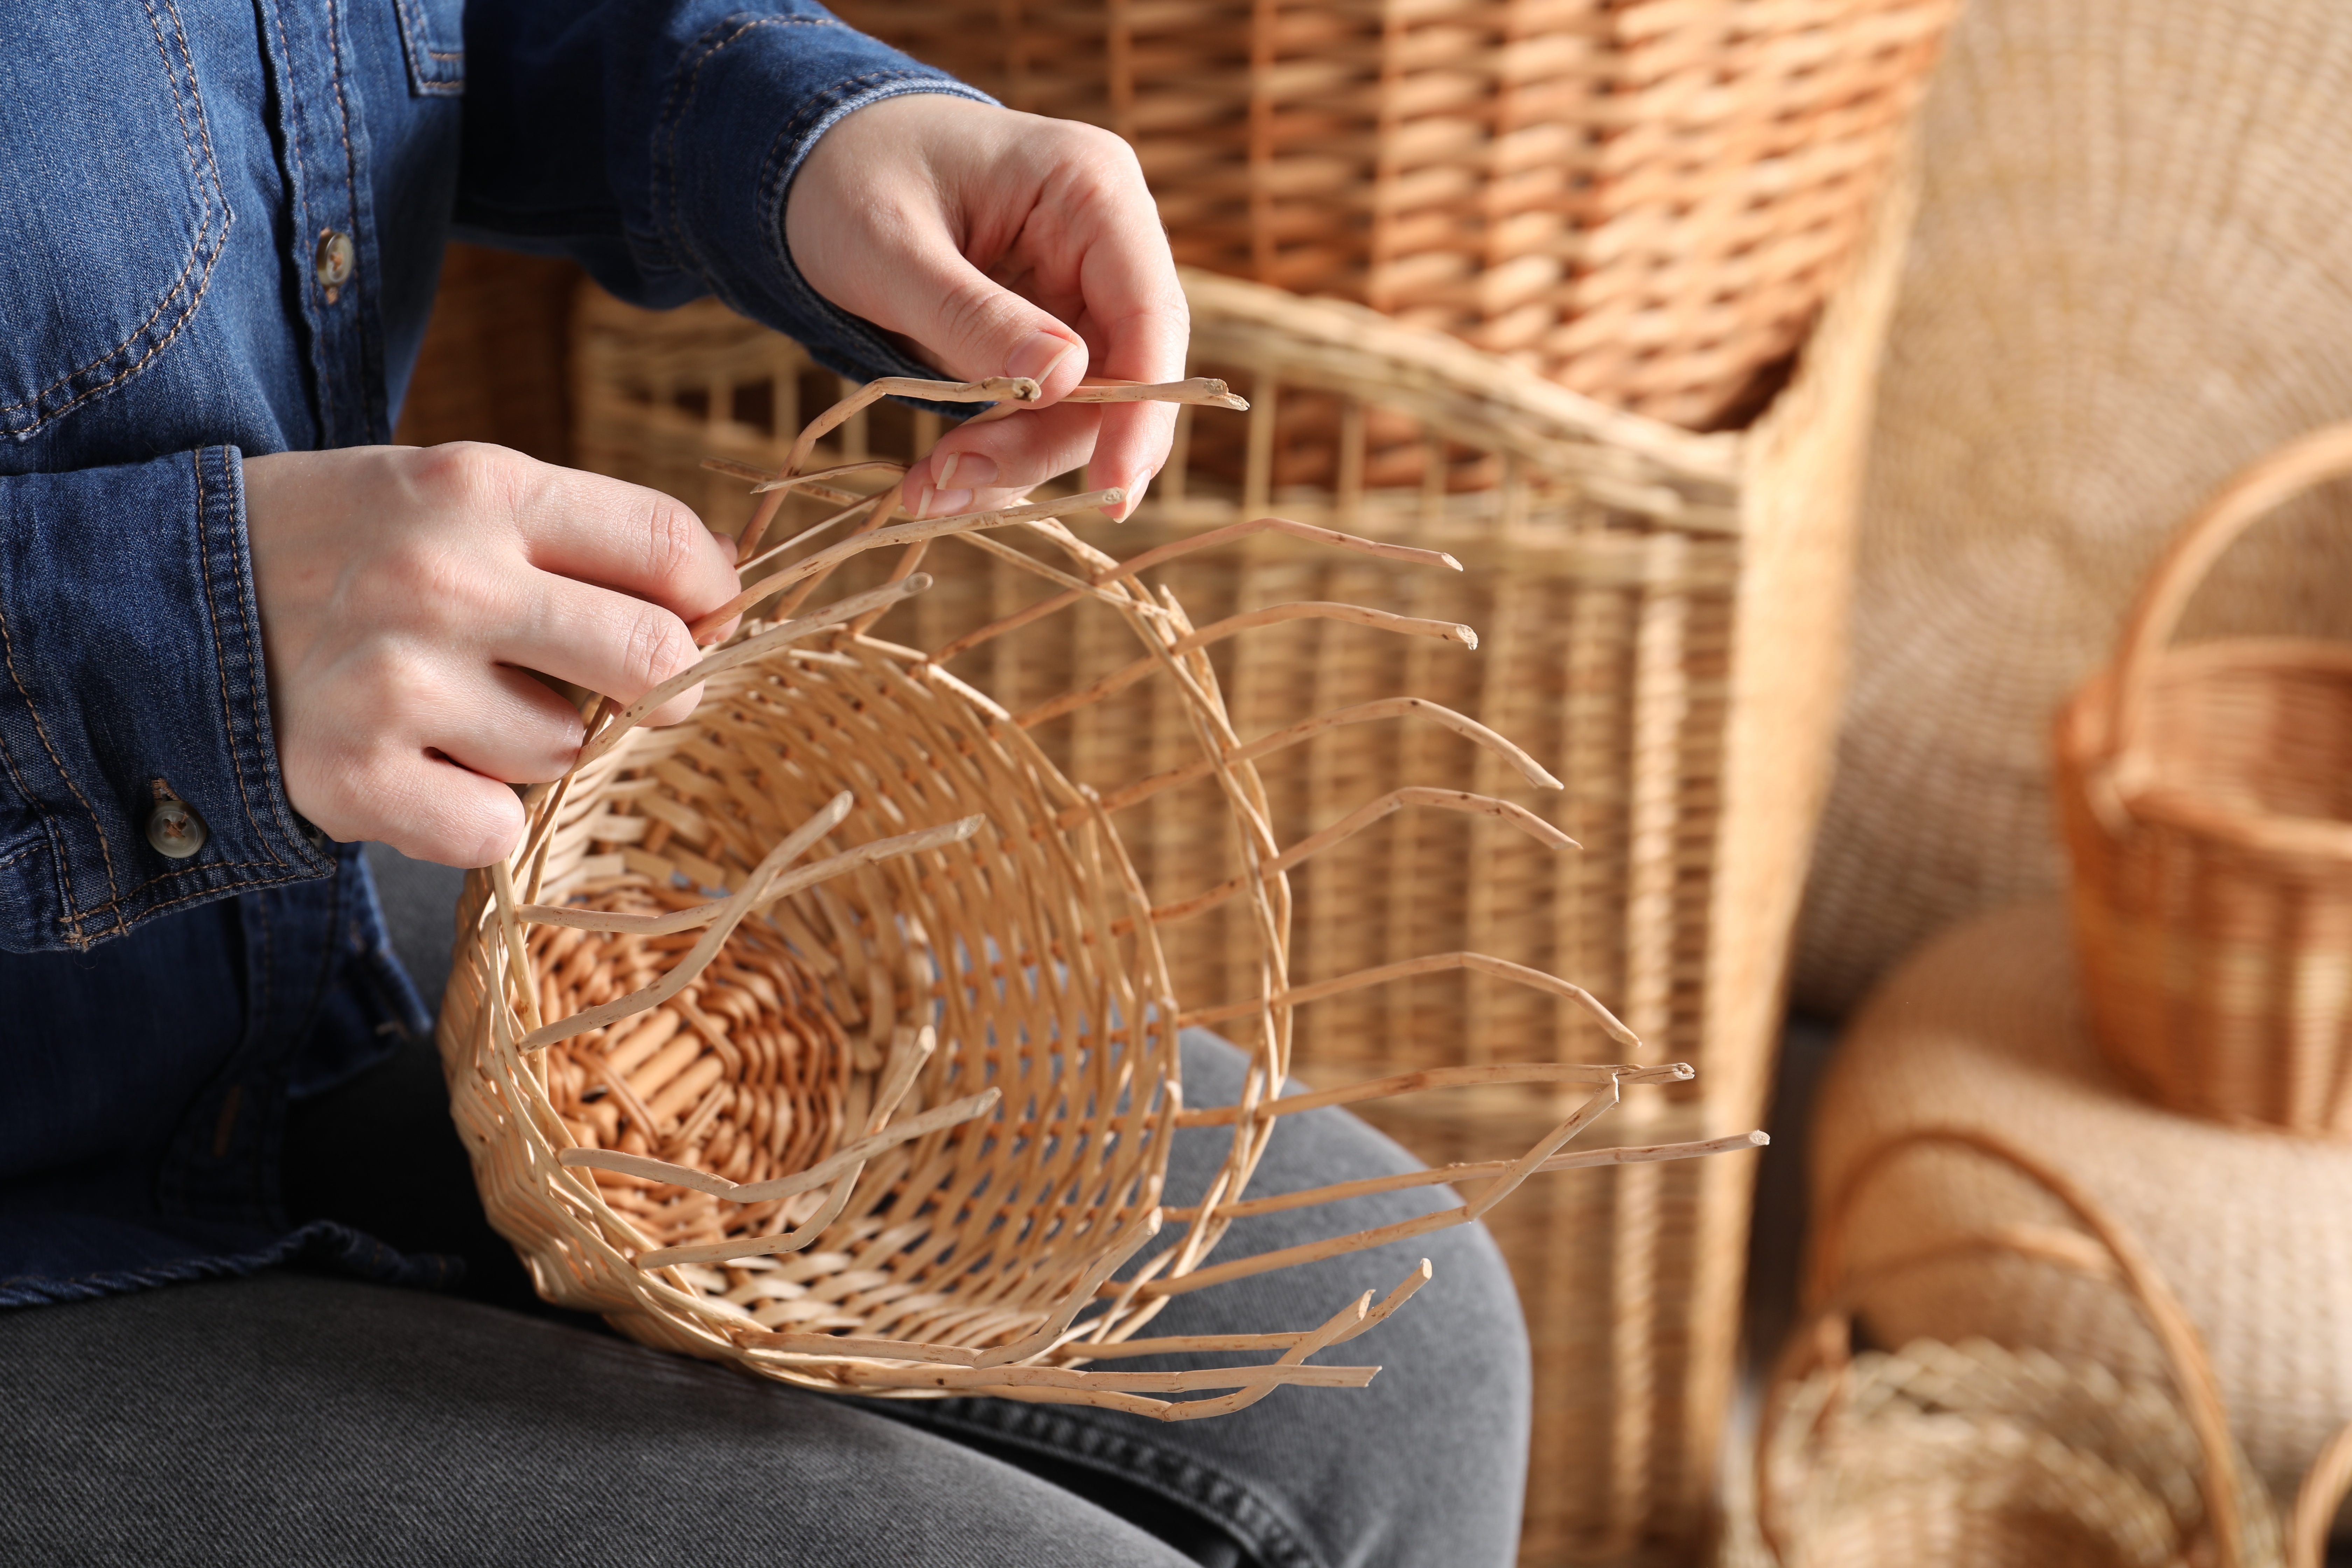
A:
x,y
828,1033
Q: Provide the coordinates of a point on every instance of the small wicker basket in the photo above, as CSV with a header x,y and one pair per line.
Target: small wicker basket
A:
x,y
2206,798
892,1122
1647,202
1969,1455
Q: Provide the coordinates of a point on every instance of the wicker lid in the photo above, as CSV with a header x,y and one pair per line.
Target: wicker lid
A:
x,y
2118,295
2254,1229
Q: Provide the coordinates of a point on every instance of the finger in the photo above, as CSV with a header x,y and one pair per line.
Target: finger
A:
x,y
1137,317
398,791
614,645
625,537
449,815
975,467
512,728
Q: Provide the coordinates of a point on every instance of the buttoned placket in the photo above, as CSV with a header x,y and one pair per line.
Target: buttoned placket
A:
x,y
323,154
222,1163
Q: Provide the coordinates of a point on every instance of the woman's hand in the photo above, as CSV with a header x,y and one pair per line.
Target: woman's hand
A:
x,y
406,593
1001,244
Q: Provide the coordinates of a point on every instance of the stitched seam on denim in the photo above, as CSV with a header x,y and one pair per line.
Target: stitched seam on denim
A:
x,y
220,654
207,176
56,846
300,176
69,919
664,146
351,167
246,614
685,105
1177,1476
20,855
208,865
195,248
415,19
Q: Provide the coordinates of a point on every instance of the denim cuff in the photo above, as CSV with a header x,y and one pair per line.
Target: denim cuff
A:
x,y
719,188
131,645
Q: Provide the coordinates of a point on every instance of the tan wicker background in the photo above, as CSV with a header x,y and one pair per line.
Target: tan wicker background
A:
x,y
1658,615
494,365
2253,1230
2124,287
1646,200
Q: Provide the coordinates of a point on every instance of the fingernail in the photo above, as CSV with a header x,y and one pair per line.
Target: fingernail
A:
x,y
1037,354
976,469
943,503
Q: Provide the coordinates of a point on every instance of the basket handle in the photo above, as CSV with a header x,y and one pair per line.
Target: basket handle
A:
x,y
2317,1501
1825,1337
2249,495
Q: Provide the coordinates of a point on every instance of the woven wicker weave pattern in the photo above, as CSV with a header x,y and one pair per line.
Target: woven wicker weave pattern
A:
x,y
1647,202
1966,1455
1657,614
2206,795
2112,306
1986,1029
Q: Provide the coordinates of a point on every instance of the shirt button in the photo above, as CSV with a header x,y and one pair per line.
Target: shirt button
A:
x,y
332,262
175,830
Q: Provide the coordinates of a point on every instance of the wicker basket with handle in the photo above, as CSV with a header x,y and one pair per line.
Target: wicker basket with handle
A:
x,y
1647,201
2205,796
1659,615
891,1121
1970,1456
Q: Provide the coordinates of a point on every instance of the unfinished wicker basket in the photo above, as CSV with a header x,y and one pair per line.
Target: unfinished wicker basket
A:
x,y
2205,796
1647,202
1660,615
1970,1456
890,1121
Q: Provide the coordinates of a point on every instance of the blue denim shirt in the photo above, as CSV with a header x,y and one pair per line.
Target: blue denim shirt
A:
x,y
178,179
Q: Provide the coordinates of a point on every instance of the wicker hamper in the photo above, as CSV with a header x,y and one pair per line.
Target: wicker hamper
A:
x,y
1660,614
1646,201
1984,1030
2205,796
2124,288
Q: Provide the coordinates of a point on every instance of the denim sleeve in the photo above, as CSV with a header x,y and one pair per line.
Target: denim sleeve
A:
x,y
656,145
130,660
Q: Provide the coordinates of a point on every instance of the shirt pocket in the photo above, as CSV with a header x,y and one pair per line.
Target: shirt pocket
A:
x,y
434,34
111,213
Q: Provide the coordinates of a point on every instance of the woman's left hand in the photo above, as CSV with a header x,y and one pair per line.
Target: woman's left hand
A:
x,y
994,242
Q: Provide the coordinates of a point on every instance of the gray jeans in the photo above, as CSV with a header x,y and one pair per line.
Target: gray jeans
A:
x,y
292,1418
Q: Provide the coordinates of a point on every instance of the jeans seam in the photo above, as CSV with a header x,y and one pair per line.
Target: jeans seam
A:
x,y
206,174
1179,1476
220,659
55,843
298,178
71,919
692,84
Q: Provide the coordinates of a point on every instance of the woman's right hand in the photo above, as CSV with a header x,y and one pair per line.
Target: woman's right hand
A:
x,y
408,594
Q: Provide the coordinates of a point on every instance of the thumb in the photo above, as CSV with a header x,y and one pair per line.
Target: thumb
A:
x,y
973,327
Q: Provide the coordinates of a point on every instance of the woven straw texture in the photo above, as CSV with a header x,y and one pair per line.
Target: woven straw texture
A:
x,y
1969,1454
1646,201
1985,1029
2206,795
1658,615
2119,296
